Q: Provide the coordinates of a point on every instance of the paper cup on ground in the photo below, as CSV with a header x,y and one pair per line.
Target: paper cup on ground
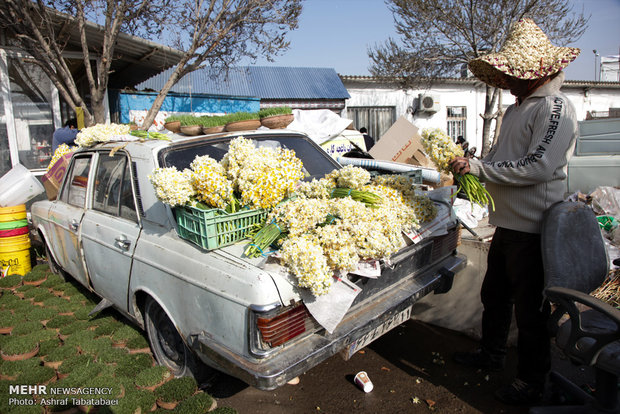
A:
x,y
362,381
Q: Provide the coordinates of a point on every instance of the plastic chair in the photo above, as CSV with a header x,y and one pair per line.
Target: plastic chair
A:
x,y
576,263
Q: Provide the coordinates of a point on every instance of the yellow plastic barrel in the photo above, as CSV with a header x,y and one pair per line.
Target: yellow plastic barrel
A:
x,y
15,254
12,213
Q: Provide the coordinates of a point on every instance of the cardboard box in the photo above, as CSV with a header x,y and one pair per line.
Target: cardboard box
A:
x,y
401,143
53,178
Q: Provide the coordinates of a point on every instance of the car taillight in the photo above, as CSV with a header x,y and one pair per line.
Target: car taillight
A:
x,y
283,326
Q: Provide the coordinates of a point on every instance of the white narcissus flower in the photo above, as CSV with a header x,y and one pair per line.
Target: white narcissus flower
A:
x,y
87,137
172,187
440,148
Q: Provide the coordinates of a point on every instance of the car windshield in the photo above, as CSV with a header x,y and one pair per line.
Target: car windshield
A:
x,y
316,163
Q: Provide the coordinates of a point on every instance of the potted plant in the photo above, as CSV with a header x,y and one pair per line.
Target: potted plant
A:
x,y
241,121
20,348
35,277
56,357
153,377
10,282
173,123
197,404
40,314
25,328
10,370
123,335
8,299
73,363
276,118
213,124
8,321
131,365
138,344
177,389
190,125
52,280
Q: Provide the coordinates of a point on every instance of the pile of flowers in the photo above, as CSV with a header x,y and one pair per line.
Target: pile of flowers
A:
x,y
256,178
320,227
319,234
87,137
441,149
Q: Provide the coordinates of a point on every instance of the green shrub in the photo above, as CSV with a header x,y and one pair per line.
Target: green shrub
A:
x,y
70,328
31,293
125,333
136,401
61,353
60,320
176,389
37,375
196,404
111,355
8,319
8,297
44,335
82,314
24,288
35,275
139,342
242,116
49,345
26,328
213,121
95,346
173,118
279,110
80,339
53,280
14,368
19,345
152,376
39,314
132,364
72,363
11,281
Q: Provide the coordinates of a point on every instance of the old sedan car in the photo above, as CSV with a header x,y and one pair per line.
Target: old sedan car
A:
x,y
108,230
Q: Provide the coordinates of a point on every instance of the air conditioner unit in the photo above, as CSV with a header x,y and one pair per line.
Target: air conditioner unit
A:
x,y
428,103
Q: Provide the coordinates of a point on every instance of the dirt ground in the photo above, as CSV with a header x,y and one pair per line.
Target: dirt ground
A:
x,y
412,372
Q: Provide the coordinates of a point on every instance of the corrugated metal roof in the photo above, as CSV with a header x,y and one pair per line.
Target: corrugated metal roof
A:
x,y
264,82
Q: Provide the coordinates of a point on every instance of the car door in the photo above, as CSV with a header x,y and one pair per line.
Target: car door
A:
x,y
66,214
111,227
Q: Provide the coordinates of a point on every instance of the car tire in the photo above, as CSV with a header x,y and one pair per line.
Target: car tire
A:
x,y
167,345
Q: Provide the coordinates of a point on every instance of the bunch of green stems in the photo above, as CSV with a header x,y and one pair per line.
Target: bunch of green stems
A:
x,y
366,197
474,190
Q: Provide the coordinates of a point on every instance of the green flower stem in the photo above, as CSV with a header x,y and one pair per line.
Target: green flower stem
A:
x,y
366,197
475,192
261,240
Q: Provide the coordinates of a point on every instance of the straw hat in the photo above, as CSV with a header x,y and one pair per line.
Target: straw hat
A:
x,y
526,54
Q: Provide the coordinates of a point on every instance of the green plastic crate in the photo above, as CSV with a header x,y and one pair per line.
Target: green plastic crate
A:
x,y
214,228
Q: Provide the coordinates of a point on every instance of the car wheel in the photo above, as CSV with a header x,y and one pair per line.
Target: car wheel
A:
x,y
168,347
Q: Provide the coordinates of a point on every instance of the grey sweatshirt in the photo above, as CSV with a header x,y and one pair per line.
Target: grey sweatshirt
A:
x,y
526,168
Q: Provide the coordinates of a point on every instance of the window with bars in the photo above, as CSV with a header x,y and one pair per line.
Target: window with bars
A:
x,y
376,119
457,121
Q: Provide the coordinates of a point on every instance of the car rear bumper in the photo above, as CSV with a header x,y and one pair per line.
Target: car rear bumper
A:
x,y
301,355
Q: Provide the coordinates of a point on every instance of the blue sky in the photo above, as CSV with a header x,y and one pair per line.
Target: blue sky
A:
x,y
338,33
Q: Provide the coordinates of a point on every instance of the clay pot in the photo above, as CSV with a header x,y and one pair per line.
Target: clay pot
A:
x,y
191,130
167,405
20,357
213,130
277,121
174,126
246,125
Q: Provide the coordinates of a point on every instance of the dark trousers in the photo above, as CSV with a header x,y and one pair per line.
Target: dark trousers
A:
x,y
515,277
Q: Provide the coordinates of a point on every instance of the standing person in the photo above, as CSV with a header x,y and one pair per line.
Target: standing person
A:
x,y
367,138
524,172
65,135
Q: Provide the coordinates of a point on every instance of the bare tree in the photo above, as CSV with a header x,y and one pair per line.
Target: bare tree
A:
x,y
221,32
213,32
437,38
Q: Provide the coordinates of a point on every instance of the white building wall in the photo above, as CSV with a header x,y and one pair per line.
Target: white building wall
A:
x,y
471,95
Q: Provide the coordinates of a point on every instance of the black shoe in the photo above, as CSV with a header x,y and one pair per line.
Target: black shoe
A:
x,y
479,359
520,393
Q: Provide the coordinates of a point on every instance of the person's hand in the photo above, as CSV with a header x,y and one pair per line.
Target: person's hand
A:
x,y
460,165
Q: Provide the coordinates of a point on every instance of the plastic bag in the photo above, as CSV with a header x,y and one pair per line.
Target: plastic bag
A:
x,y
606,201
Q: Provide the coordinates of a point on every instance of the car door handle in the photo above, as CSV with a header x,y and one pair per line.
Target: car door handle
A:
x,y
122,242
73,224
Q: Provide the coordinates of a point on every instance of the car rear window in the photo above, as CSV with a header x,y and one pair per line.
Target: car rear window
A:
x,y
316,162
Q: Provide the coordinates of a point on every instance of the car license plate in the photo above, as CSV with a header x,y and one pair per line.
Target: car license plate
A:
x,y
386,326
